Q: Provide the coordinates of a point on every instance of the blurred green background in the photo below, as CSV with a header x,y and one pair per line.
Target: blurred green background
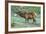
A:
x,y
19,22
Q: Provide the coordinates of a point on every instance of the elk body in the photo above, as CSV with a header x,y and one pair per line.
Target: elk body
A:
x,y
28,15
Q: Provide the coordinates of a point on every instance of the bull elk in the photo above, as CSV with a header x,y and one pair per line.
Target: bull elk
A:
x,y
28,15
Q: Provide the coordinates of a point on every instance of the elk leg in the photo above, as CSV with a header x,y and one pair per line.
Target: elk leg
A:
x,y
34,20
26,20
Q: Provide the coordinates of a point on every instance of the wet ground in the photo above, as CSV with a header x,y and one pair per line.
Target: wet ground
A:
x,y
19,22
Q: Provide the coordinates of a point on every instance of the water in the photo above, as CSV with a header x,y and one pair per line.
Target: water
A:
x,y
19,22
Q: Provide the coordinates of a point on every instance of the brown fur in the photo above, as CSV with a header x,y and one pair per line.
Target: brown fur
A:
x,y
28,15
